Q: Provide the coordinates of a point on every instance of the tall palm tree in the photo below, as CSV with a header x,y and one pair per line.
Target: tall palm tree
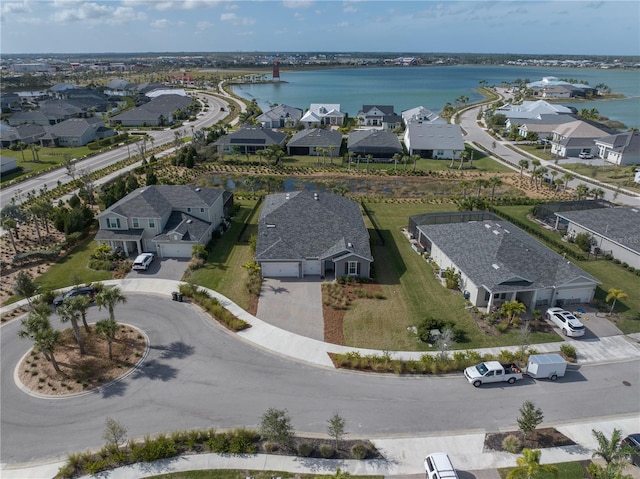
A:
x,y
567,177
37,327
464,184
415,161
9,224
108,298
615,294
81,304
480,183
107,328
68,313
396,157
369,158
529,466
493,182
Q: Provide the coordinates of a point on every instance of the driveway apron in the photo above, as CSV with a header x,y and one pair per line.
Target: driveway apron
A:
x,y
293,304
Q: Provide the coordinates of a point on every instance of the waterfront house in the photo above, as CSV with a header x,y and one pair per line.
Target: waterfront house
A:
x,y
249,139
573,138
421,114
304,233
378,116
315,141
620,149
281,116
377,143
434,140
319,114
509,265
167,220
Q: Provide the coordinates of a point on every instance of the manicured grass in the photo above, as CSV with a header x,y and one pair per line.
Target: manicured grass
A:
x,y
72,269
224,270
614,175
566,470
244,473
49,157
412,292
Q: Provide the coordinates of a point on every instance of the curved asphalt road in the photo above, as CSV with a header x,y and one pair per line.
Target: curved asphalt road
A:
x,y
198,375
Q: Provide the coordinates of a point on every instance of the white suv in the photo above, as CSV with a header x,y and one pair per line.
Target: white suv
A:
x,y
567,322
143,261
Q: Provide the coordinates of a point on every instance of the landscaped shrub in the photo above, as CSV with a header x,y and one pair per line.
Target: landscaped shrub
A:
x,y
326,450
569,351
359,451
154,449
270,446
512,444
218,443
305,449
101,265
241,441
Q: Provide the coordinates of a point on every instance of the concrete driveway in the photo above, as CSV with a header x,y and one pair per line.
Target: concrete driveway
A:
x,y
163,268
293,304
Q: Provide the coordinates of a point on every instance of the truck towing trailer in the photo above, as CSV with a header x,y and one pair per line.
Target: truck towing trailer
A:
x,y
492,372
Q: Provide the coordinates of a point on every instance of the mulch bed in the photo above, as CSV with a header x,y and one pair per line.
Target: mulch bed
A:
x,y
343,451
545,437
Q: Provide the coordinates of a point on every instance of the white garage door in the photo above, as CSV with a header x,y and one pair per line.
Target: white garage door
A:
x,y
175,250
311,267
573,296
281,270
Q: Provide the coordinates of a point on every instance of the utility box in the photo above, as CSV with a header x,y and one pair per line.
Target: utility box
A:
x,y
546,366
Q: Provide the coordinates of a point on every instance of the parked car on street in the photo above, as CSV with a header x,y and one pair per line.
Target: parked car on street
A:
x,y
143,261
633,441
84,290
567,322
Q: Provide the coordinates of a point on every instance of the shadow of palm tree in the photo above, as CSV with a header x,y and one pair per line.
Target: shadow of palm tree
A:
x,y
155,370
175,350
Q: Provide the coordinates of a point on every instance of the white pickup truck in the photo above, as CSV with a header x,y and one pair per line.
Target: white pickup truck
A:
x,y
492,372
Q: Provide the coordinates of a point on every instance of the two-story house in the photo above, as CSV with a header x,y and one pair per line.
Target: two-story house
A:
x,y
167,220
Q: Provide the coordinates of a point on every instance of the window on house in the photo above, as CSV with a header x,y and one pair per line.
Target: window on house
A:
x,y
188,210
152,223
201,210
440,152
113,222
135,222
352,268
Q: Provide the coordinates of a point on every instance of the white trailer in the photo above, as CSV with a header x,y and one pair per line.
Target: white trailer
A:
x,y
546,366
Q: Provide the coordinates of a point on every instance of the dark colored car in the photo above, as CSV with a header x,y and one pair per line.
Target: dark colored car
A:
x,y
633,440
85,291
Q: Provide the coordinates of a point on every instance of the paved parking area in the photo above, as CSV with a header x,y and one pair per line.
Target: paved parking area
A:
x,y
163,268
293,304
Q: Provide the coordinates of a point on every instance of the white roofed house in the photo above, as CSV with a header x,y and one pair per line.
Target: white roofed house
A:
x,y
620,149
319,114
421,114
167,220
434,140
281,116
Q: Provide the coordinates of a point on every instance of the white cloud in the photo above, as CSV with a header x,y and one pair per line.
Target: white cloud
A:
x,y
71,11
297,3
161,23
349,9
204,25
15,7
236,20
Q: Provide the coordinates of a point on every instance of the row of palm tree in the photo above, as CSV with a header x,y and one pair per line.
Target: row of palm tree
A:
x,y
37,325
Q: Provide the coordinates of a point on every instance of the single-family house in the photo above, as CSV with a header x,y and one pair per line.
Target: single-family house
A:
x,y
530,109
10,102
434,140
167,220
377,143
302,233
498,262
249,139
281,116
34,117
7,164
378,116
323,114
159,111
620,149
315,141
575,137
120,87
27,134
421,114
614,231
543,126
76,132
552,87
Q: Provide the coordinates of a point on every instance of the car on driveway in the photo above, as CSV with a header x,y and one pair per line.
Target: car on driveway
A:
x,y
143,261
567,322
633,441
585,156
84,291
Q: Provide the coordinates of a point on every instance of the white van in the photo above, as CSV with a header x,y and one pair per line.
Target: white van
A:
x,y
438,466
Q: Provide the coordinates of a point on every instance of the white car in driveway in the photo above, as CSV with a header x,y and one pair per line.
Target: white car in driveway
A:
x,y
143,261
567,322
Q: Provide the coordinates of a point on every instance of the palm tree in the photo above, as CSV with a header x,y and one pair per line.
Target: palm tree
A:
x,y
567,177
480,183
107,328
81,304
369,158
38,328
108,298
464,184
615,294
415,161
21,146
611,450
597,193
529,466
67,313
9,224
582,191
463,157
331,148
493,182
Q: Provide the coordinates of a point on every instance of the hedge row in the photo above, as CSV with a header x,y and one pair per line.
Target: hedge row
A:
x,y
213,307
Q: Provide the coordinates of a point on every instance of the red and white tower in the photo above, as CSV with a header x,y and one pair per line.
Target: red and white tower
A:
x,y
276,70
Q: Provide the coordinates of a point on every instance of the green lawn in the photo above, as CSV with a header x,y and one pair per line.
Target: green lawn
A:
x,y
223,271
49,157
566,470
72,269
614,175
244,473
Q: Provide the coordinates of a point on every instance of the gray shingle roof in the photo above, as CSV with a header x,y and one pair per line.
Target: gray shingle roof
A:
x,y
316,137
253,136
621,224
435,136
281,111
500,256
373,141
191,228
155,201
305,227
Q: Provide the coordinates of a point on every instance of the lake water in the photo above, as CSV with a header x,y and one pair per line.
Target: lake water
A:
x,y
433,87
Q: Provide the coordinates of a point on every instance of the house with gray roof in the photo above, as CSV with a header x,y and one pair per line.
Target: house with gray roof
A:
x,y
249,139
378,143
167,220
620,149
312,234
76,132
281,116
421,114
543,126
498,262
378,116
27,134
614,231
434,140
159,111
312,141
571,139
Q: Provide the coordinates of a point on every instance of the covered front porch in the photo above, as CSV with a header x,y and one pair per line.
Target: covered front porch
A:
x,y
130,241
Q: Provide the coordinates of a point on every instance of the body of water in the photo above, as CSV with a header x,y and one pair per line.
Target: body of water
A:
x,y
433,87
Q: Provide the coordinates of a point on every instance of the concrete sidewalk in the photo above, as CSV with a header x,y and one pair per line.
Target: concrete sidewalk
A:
x,y
403,455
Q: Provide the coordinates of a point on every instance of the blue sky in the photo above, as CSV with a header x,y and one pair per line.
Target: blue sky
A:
x,y
536,27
